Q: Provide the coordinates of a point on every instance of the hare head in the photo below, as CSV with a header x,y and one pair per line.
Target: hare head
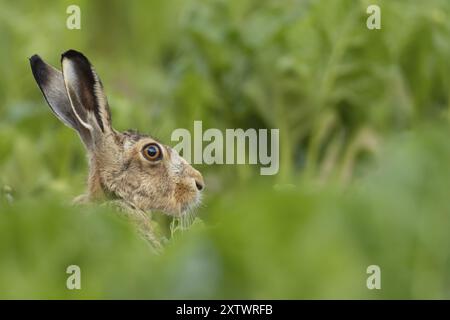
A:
x,y
127,166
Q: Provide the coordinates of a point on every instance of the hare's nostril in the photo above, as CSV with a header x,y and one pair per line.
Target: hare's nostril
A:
x,y
199,185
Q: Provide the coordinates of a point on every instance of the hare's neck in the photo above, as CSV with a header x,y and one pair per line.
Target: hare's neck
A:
x,y
95,187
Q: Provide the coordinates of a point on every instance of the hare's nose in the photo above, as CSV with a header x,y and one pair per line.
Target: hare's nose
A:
x,y
198,178
199,184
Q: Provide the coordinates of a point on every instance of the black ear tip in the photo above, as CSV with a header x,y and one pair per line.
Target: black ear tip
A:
x,y
38,68
72,54
36,64
34,60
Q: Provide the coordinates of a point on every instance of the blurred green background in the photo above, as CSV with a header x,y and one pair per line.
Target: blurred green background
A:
x,y
364,148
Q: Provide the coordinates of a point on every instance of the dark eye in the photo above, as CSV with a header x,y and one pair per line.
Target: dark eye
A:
x,y
152,152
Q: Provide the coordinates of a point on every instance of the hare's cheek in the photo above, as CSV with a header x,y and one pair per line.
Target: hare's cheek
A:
x,y
184,193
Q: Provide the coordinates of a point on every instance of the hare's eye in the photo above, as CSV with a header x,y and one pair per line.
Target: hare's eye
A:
x,y
152,152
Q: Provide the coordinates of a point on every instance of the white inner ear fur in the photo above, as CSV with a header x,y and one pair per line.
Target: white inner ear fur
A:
x,y
69,76
101,99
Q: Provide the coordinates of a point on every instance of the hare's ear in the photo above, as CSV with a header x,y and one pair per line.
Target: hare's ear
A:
x,y
51,83
85,92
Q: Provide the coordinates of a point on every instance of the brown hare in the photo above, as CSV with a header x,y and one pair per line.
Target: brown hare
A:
x,y
134,171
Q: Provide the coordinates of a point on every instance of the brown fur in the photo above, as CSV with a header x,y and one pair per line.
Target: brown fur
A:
x,y
118,170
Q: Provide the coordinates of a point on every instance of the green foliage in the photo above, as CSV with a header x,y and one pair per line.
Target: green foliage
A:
x,y
257,241
363,118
